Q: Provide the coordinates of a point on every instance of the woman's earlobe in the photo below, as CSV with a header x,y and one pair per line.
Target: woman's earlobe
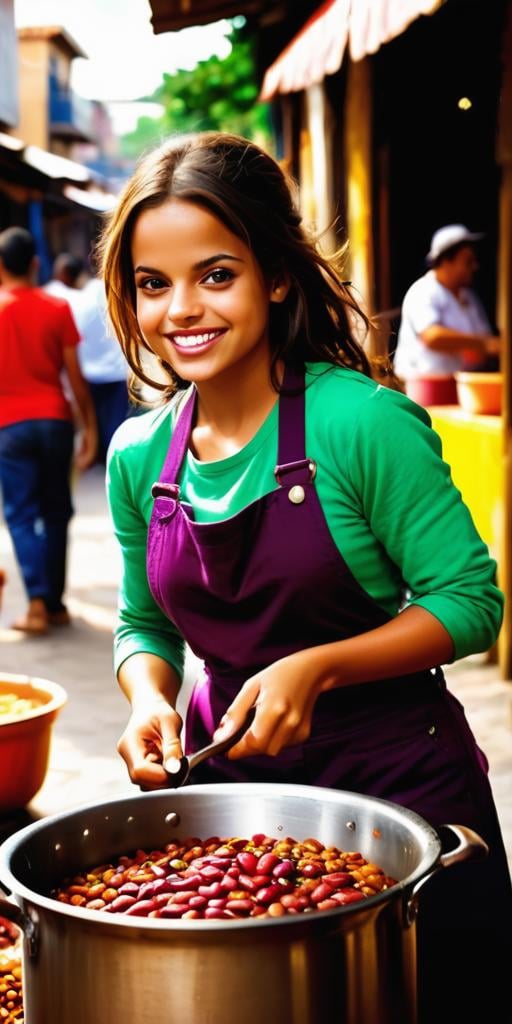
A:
x,y
280,289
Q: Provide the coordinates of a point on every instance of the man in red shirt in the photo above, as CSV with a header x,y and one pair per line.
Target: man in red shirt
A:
x,y
38,340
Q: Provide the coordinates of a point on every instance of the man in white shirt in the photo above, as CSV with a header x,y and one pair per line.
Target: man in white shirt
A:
x,y
443,323
68,276
101,359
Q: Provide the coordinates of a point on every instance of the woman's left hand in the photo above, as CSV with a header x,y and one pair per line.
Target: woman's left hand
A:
x,y
284,695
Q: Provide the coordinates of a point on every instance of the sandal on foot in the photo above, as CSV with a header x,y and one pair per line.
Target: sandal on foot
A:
x,y
36,625
62,618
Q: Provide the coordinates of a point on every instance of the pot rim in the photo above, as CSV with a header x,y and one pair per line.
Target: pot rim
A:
x,y
56,692
417,825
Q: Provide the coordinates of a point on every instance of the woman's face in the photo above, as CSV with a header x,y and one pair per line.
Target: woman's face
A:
x,y
202,301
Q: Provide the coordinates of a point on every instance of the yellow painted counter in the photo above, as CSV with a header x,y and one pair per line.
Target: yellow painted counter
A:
x,y
473,447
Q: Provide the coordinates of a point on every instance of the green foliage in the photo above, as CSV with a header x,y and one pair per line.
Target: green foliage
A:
x,y
217,94
146,136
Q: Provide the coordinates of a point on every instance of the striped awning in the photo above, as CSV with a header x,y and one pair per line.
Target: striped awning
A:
x,y
318,49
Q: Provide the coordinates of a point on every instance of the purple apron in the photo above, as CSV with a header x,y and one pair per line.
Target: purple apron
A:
x,y
270,581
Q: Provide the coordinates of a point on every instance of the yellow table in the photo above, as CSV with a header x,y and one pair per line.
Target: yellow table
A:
x,y
473,447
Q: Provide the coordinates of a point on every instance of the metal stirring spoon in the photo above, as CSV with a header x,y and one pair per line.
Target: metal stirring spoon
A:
x,y
178,769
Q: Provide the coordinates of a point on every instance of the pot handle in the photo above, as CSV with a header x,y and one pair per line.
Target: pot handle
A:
x,y
13,913
470,847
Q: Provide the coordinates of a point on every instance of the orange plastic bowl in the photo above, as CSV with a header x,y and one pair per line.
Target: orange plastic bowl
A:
x,y
432,389
480,392
25,738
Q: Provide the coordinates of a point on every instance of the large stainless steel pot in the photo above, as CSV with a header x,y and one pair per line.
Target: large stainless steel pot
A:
x,y
355,965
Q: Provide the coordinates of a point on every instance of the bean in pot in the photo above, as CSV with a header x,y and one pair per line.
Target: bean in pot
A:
x,y
227,878
11,998
8,933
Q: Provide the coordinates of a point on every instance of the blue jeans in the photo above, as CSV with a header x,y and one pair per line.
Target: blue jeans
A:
x,y
112,407
35,467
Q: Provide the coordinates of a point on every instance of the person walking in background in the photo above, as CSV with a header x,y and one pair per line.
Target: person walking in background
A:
x,y
444,327
38,340
67,278
102,362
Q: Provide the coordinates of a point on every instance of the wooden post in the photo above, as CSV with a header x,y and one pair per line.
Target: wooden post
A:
x,y
320,134
358,156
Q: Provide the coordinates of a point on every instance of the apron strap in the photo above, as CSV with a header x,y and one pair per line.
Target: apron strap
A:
x,y
292,418
292,465
179,441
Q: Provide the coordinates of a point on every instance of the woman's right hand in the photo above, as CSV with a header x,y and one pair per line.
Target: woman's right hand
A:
x,y
151,737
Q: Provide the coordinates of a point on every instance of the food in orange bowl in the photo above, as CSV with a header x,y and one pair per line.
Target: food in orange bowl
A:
x,y
480,392
28,708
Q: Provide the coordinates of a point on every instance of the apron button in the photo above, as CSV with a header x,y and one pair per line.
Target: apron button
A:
x,y
296,494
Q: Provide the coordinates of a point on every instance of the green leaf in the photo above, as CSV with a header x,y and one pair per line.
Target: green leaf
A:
x,y
217,95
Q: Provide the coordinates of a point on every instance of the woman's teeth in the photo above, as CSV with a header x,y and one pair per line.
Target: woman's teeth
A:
x,y
190,340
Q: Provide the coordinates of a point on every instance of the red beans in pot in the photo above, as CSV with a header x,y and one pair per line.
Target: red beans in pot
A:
x,y
226,879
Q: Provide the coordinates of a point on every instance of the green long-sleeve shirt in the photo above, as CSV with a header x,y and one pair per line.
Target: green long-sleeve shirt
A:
x,y
387,496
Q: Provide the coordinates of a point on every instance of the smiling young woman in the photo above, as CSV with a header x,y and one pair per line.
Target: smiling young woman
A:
x,y
292,521
206,317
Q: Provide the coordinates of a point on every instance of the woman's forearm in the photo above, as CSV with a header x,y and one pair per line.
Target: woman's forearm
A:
x,y
152,734
412,641
285,693
146,678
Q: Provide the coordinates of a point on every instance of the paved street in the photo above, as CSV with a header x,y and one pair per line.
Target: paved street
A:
x,y
85,766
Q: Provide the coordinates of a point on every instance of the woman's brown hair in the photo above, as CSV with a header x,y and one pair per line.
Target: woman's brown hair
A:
x,y
246,189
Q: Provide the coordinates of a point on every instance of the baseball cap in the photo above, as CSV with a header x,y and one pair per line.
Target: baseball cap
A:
x,y
451,234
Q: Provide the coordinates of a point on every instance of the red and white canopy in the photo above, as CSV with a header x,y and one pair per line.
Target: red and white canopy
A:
x,y
318,49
